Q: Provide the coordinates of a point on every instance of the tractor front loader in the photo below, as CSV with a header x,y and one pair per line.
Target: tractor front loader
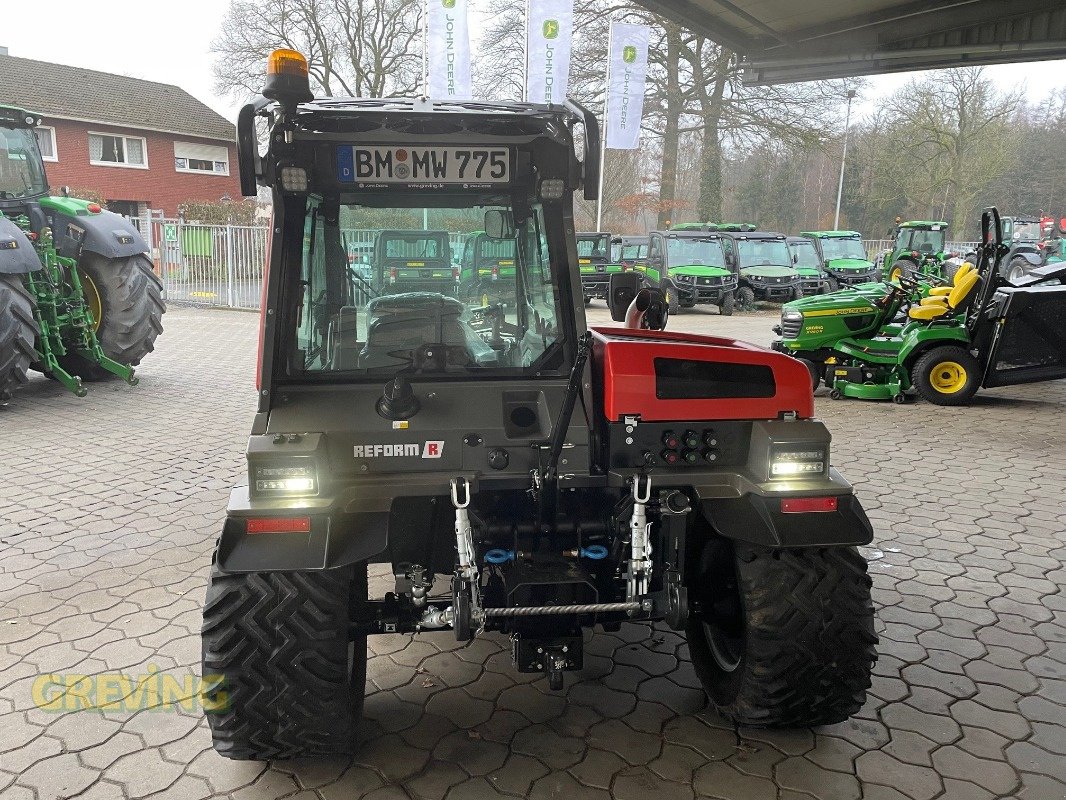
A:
x,y
78,298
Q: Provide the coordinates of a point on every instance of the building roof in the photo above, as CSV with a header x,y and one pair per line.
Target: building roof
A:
x,y
62,92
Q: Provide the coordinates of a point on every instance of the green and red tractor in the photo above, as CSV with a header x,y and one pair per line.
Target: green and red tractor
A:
x,y
79,300
919,250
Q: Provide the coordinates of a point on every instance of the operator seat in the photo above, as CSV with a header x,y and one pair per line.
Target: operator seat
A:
x,y
941,292
961,294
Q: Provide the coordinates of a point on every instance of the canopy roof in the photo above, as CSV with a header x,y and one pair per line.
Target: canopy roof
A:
x,y
785,41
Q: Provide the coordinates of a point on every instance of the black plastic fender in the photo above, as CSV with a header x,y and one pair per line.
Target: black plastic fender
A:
x,y
760,520
106,233
1033,258
17,254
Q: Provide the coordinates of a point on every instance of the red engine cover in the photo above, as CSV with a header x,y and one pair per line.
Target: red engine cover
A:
x,y
625,360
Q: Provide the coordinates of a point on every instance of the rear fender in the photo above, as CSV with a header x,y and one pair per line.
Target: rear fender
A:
x,y
104,233
918,338
17,254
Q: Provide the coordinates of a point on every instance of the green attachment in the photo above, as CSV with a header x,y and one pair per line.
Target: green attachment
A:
x,y
62,314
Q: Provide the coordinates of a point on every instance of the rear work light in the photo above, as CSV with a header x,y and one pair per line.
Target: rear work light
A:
x,y
299,478
278,525
807,505
798,462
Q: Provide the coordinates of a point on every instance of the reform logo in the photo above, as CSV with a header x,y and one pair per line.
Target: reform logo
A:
x,y
430,449
551,28
629,54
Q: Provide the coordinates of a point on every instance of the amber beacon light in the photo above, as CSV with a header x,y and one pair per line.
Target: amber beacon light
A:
x,y
287,80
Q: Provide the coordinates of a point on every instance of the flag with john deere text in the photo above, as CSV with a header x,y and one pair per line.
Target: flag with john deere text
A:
x,y
549,31
628,69
447,50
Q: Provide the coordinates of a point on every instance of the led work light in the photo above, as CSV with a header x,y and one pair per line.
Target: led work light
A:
x,y
798,461
286,479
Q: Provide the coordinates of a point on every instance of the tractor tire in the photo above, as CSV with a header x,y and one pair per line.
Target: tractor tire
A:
x,y
797,293
946,376
127,298
783,638
282,676
830,285
1017,269
673,298
18,333
725,308
902,267
746,298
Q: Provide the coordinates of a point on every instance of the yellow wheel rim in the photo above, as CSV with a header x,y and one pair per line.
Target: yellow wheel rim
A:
x,y
485,300
92,298
896,274
948,377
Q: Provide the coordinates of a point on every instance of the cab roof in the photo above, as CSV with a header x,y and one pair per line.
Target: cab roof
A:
x,y
831,234
921,224
15,117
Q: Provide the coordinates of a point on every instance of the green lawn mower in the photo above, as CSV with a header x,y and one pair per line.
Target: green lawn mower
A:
x,y
843,257
979,331
79,300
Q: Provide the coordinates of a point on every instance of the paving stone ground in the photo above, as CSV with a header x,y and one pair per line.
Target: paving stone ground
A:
x,y
109,507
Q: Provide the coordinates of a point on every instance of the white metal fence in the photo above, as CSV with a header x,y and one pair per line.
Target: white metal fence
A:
x,y
222,265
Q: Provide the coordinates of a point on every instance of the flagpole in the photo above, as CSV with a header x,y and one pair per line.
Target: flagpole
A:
x,y
525,48
425,49
603,133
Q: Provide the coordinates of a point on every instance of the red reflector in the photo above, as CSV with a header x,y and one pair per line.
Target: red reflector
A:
x,y
279,525
93,208
804,505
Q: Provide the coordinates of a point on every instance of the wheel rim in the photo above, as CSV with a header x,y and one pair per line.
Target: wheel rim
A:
x,y
726,649
948,377
896,274
92,298
1016,274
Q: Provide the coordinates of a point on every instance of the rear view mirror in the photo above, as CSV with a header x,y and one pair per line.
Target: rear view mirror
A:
x,y
499,224
621,290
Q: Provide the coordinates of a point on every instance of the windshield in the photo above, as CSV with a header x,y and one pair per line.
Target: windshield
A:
x,y
763,253
21,169
695,252
414,311
634,251
927,242
843,248
593,246
805,254
1027,231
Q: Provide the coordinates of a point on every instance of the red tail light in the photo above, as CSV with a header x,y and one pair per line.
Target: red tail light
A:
x,y
393,275
807,505
94,208
278,525
495,273
915,254
455,273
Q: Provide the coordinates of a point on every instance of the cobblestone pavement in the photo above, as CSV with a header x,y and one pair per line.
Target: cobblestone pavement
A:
x,y
109,507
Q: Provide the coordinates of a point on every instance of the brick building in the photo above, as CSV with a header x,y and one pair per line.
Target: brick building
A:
x,y
140,144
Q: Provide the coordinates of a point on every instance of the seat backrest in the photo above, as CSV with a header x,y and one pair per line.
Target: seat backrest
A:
x,y
961,272
964,288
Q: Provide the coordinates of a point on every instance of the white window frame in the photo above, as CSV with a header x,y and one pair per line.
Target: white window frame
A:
x,y
52,134
123,165
190,171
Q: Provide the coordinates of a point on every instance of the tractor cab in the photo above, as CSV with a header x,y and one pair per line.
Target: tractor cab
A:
x,y
22,175
596,261
919,249
843,257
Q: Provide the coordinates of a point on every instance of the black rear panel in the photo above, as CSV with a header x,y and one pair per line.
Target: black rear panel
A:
x,y
1031,343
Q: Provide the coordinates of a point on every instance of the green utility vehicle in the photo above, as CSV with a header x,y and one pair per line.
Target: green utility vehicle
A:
x,y
805,260
597,264
632,251
919,249
763,263
414,261
522,476
945,342
487,266
691,269
843,257
79,300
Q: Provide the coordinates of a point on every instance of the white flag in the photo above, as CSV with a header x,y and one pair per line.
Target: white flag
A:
x,y
628,68
447,50
549,30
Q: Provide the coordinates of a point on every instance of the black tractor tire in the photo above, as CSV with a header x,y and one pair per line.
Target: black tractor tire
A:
x,y
283,678
905,267
797,293
725,308
783,638
746,298
946,376
130,298
830,284
18,333
673,298
1017,269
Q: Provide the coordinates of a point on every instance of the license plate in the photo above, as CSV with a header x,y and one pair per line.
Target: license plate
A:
x,y
472,166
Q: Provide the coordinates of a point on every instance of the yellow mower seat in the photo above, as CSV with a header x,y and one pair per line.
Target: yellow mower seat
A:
x,y
944,291
960,293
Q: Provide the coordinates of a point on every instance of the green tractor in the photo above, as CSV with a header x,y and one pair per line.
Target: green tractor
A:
x,y
690,268
920,250
595,258
79,300
843,257
944,342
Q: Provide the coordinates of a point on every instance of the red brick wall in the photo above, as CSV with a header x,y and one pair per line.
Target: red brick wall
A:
x,y
160,186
